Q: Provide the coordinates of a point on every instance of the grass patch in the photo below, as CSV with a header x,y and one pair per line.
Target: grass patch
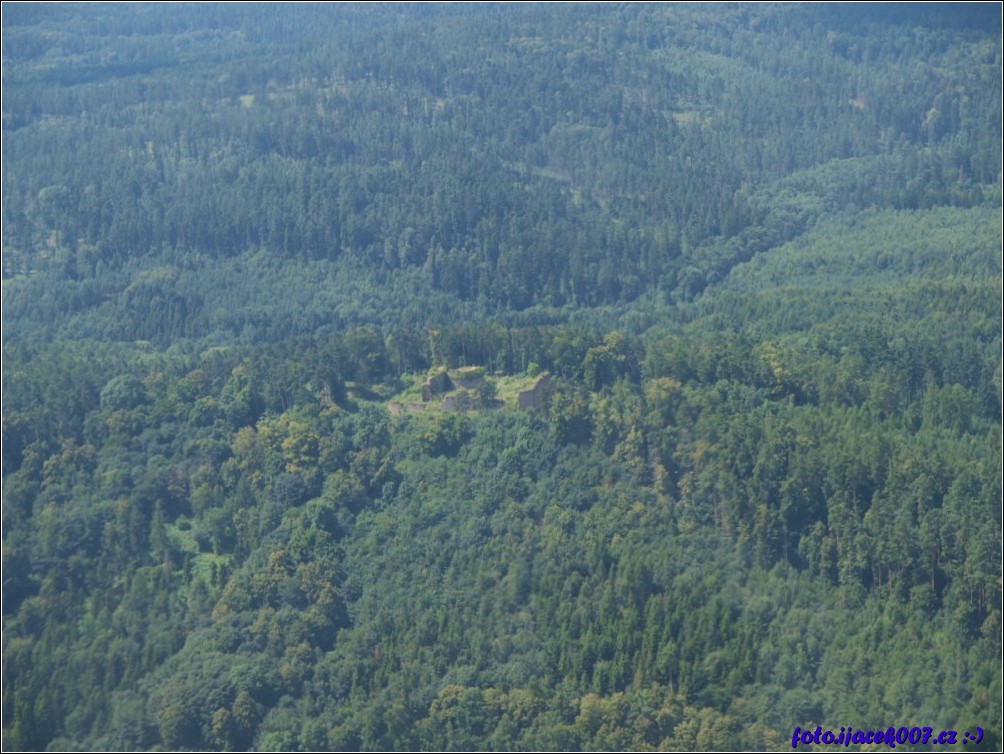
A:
x,y
507,388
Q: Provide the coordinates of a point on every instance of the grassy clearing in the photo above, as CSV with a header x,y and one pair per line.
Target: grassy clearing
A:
x,y
507,388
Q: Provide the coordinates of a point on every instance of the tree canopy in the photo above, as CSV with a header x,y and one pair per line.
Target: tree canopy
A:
x,y
711,296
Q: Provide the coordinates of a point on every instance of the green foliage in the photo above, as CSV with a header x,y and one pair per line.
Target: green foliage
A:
x,y
755,248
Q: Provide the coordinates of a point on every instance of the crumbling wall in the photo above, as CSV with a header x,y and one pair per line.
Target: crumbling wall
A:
x,y
537,396
436,384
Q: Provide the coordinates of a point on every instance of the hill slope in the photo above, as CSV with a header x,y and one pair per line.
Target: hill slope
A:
x,y
756,248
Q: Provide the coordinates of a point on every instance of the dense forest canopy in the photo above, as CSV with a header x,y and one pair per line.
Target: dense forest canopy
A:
x,y
469,376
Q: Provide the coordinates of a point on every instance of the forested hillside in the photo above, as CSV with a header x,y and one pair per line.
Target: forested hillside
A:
x,y
466,377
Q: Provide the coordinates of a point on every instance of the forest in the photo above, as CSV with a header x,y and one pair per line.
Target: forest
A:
x,y
500,376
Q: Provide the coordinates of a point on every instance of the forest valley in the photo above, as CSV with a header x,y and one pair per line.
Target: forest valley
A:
x,y
457,377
